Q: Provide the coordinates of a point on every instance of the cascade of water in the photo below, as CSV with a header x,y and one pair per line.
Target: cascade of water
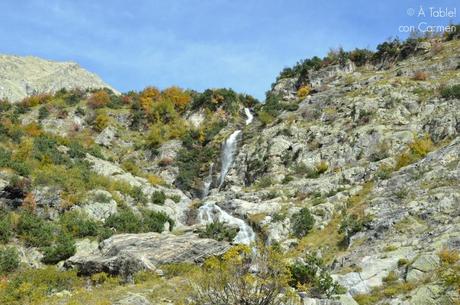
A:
x,y
207,182
211,212
249,116
227,154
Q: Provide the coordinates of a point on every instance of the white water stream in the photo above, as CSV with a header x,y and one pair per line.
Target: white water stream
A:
x,y
227,155
211,212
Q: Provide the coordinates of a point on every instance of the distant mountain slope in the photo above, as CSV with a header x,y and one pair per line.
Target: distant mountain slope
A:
x,y
22,76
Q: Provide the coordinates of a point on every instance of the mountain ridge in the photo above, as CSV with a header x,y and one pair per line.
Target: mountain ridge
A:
x,y
21,76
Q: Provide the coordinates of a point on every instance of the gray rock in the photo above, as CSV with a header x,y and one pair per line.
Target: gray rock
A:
x,y
126,254
106,136
133,299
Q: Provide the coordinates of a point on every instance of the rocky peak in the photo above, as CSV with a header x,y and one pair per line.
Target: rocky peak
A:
x,y
23,76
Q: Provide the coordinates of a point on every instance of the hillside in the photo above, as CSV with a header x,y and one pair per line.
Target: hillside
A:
x,y
342,188
23,76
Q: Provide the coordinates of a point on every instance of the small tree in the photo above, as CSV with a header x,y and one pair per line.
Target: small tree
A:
x,y
243,276
302,222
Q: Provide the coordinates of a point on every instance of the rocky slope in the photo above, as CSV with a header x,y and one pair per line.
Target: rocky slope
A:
x,y
23,76
352,165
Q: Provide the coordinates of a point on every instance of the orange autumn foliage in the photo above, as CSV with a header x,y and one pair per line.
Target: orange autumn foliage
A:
x,y
98,99
177,96
147,97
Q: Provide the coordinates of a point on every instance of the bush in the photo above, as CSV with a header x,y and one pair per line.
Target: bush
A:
x,y
43,113
303,92
176,198
415,151
98,99
360,56
6,160
33,286
451,92
6,229
218,231
124,221
158,197
302,222
155,221
78,224
63,248
350,225
101,122
321,167
233,272
45,150
9,260
312,273
138,195
34,230
265,117
420,75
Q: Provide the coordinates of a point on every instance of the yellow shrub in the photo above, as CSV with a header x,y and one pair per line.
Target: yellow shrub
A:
x,y
303,91
415,151
155,180
449,256
422,146
33,129
101,122
322,167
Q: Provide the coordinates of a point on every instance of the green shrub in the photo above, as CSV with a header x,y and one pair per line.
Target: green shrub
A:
x,y
218,231
6,160
175,198
155,221
78,224
264,182
350,225
265,117
6,229
287,179
9,260
45,150
33,286
360,56
313,273
302,222
190,161
158,197
138,195
124,221
451,92
34,230
63,248
43,113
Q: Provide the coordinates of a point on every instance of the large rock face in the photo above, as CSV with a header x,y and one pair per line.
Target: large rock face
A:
x,y
126,254
23,76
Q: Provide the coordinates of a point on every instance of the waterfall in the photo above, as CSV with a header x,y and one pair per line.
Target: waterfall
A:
x,y
207,182
249,116
211,212
228,152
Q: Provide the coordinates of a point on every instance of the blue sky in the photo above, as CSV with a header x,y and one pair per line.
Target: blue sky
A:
x,y
199,44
